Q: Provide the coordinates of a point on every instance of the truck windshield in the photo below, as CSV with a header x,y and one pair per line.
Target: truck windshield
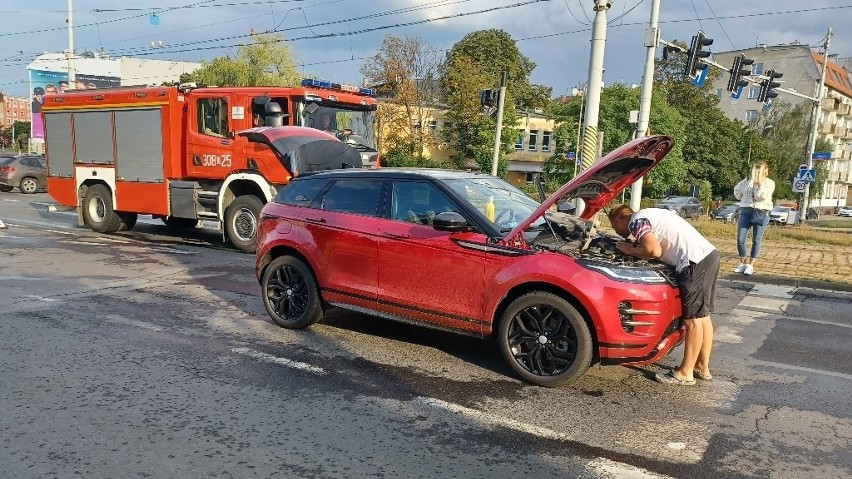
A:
x,y
347,124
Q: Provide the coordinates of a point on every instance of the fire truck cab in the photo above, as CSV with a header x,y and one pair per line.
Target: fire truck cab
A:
x,y
176,153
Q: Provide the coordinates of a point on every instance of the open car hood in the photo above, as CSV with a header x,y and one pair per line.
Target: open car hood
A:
x,y
606,178
303,149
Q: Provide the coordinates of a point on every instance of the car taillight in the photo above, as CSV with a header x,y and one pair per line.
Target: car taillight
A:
x,y
7,169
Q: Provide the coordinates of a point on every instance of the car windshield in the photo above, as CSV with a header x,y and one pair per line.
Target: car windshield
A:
x,y
675,199
511,205
355,126
781,209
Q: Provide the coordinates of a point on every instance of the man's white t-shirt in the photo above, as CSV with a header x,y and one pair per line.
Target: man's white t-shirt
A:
x,y
680,241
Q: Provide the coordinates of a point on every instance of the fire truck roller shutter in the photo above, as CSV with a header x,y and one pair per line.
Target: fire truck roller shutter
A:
x,y
139,144
93,137
57,126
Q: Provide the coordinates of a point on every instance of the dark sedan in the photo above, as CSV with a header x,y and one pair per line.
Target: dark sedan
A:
x,y
726,213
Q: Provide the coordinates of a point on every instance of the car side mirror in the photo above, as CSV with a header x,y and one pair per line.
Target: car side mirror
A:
x,y
450,221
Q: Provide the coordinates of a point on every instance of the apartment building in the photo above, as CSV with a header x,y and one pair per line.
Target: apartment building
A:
x,y
14,109
801,68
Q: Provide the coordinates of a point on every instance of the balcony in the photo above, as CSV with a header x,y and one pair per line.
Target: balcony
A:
x,y
830,104
844,109
827,128
843,133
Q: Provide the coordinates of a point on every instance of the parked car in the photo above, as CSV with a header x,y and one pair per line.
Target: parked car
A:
x,y
812,214
685,206
25,172
780,214
844,211
469,253
726,213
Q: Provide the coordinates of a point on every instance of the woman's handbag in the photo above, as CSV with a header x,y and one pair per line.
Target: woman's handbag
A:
x,y
759,217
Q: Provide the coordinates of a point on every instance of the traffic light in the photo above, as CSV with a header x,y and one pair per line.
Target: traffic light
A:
x,y
696,54
737,73
767,85
489,98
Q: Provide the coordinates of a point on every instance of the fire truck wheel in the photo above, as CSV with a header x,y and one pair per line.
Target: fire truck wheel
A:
x,y
98,212
128,221
242,218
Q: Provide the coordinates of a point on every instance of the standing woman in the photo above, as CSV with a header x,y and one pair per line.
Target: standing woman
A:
x,y
755,196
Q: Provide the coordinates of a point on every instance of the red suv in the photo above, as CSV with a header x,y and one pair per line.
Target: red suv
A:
x,y
470,253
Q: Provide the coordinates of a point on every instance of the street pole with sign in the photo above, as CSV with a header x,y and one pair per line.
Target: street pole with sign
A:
x,y
814,124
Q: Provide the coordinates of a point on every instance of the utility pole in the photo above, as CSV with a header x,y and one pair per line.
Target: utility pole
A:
x,y
495,159
652,37
593,95
72,74
803,213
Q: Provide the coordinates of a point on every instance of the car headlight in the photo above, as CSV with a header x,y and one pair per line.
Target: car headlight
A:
x,y
628,274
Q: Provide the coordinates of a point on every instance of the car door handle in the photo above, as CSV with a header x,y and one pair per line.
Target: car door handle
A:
x,y
315,220
396,236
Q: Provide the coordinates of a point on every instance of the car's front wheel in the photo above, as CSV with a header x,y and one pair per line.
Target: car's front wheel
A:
x,y
290,293
545,339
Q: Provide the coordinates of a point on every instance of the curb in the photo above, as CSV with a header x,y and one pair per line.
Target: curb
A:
x,y
804,286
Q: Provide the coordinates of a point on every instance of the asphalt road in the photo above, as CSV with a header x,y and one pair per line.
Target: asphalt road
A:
x,y
149,354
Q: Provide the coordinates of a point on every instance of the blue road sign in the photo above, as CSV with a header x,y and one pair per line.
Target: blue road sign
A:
x,y
570,155
821,155
699,79
736,94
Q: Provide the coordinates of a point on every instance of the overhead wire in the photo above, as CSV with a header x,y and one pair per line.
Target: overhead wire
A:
x,y
720,24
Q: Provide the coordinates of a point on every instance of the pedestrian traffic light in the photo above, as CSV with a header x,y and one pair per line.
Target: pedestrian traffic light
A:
x,y
696,54
767,86
737,73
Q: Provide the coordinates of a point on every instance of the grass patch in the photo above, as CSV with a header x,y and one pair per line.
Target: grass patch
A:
x,y
834,224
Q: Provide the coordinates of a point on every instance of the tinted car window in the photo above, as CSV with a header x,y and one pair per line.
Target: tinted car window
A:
x,y
5,160
358,196
300,192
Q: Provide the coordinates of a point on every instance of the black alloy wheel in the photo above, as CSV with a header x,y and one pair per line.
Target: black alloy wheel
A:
x,y
545,339
290,293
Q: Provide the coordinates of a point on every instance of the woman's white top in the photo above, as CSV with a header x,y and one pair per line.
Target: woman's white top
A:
x,y
750,197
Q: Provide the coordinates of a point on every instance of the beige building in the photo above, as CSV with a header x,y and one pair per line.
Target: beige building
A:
x,y
534,142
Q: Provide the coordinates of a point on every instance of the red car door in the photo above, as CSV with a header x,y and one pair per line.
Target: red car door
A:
x,y
425,274
344,231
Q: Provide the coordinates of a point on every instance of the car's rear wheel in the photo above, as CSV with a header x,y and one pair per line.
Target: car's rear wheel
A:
x,y
290,293
29,185
6,188
682,213
545,339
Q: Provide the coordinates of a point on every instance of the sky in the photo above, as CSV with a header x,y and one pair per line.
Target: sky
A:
x,y
331,38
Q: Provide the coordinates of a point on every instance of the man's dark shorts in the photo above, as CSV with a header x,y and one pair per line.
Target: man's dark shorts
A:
x,y
697,283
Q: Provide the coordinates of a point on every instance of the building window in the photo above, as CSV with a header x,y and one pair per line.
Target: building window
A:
x,y
545,140
519,141
432,126
533,144
751,115
530,177
757,69
753,92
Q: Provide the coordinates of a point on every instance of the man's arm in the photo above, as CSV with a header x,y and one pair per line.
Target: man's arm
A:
x,y
648,247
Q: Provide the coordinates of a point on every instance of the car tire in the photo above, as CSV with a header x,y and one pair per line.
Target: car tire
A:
x,y
242,219
6,188
681,213
28,185
567,350
97,210
290,293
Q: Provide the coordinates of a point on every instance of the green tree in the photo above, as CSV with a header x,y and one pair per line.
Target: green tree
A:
x,y
405,71
265,62
475,63
784,144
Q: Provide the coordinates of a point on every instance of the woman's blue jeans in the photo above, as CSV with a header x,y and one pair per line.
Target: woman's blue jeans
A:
x,y
743,225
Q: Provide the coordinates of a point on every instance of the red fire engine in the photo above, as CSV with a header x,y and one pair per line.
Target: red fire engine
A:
x,y
174,153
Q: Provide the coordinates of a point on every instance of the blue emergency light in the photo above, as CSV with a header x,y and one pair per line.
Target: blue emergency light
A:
x,y
313,83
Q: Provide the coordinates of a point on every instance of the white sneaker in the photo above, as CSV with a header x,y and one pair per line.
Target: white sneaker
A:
x,y
748,270
740,268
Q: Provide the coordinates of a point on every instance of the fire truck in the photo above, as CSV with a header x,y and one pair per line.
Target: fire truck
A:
x,y
180,153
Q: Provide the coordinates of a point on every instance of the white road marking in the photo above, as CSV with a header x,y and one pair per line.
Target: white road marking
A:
x,y
601,467
41,298
492,420
114,318
282,361
771,364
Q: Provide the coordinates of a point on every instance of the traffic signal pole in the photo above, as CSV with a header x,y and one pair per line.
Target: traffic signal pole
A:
x,y
803,213
495,158
652,37
593,94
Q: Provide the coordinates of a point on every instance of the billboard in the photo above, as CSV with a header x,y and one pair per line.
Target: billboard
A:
x,y
44,83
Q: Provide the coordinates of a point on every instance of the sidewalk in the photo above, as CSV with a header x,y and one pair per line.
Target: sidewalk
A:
x,y
802,265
